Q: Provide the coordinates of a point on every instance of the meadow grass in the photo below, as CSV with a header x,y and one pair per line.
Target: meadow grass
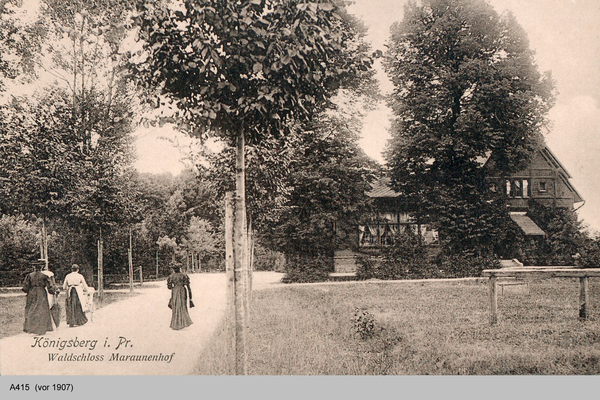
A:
x,y
420,328
12,310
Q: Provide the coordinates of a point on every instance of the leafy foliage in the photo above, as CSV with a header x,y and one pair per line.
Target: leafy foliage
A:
x,y
68,145
464,265
201,238
18,246
364,323
247,66
180,214
41,156
407,258
19,45
328,182
266,259
251,69
589,254
267,167
305,268
565,238
564,234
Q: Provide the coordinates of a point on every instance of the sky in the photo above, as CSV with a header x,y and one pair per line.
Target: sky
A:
x,y
565,34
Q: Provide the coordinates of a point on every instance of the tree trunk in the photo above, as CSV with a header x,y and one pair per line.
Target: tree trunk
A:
x,y
249,255
100,268
44,243
229,266
130,260
239,272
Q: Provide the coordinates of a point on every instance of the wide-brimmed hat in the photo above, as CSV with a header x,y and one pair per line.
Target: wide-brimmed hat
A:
x,y
38,262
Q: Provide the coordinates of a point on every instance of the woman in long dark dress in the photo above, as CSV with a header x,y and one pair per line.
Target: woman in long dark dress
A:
x,y
179,283
37,308
75,286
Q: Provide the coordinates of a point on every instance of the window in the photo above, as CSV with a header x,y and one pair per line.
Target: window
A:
x,y
518,188
542,186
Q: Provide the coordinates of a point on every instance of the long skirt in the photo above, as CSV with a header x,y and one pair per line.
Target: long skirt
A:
x,y
37,312
180,317
75,314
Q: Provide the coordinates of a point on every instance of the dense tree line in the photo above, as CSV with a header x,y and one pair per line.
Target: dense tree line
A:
x,y
68,179
286,79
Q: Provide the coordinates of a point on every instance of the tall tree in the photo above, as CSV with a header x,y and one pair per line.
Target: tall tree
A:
x,y
41,158
201,239
81,51
328,183
465,86
248,68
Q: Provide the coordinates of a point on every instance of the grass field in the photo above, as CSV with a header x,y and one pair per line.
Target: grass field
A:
x,y
12,309
425,328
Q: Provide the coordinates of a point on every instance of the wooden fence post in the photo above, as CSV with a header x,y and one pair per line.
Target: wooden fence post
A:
x,y
100,269
493,300
584,298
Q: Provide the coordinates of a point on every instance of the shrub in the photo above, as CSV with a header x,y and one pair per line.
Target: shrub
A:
x,y
303,269
366,266
268,260
214,264
405,259
18,245
394,265
364,323
464,265
589,254
564,233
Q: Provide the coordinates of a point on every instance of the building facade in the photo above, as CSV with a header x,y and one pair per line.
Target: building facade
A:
x,y
545,180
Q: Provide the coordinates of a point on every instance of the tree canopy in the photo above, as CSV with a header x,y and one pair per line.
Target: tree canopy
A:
x,y
252,66
466,86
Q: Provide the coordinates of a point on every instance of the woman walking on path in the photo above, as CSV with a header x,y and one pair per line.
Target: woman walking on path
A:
x,y
179,282
75,286
37,308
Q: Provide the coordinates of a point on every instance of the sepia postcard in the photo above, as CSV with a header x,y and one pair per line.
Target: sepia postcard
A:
x,y
175,307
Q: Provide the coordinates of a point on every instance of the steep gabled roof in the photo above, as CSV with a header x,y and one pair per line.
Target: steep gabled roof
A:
x,y
562,172
381,188
552,160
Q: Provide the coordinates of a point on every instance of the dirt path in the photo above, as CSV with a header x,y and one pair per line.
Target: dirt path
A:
x,y
137,327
